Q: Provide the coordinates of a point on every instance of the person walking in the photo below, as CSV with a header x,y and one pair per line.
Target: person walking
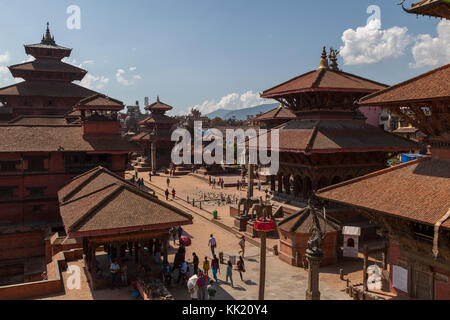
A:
x,y
173,194
150,176
230,273
206,266
242,245
183,271
192,287
259,185
167,194
223,183
241,267
211,290
209,181
168,182
202,284
195,262
238,184
114,269
213,244
167,273
215,266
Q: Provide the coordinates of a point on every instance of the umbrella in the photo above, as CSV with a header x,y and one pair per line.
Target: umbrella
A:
x,y
185,241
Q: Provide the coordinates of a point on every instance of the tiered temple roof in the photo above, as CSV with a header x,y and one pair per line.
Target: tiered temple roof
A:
x,y
101,203
417,190
51,136
304,220
432,8
279,113
48,86
99,102
331,136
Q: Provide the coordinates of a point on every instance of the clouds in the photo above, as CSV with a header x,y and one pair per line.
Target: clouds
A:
x,y
232,101
94,82
371,44
4,58
126,78
4,72
429,51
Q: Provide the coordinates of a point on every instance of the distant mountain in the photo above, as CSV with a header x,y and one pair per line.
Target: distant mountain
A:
x,y
242,114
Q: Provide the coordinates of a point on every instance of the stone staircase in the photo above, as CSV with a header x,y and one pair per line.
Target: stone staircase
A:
x,y
142,165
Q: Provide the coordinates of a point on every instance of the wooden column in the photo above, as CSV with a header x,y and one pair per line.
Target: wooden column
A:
x,y
385,255
250,181
272,183
153,152
136,253
164,248
366,262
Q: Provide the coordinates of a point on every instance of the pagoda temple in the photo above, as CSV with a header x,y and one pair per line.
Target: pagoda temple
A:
x,y
326,143
411,202
274,118
48,87
155,138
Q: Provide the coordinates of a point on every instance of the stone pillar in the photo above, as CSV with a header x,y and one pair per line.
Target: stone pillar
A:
x,y
262,267
153,153
250,181
314,259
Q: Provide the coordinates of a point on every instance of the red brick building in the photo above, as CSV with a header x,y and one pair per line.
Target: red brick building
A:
x,y
39,152
411,202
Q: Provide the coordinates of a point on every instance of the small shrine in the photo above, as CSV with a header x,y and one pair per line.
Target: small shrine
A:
x,y
294,232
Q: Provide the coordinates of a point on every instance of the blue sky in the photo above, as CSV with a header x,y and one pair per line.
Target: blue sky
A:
x,y
216,53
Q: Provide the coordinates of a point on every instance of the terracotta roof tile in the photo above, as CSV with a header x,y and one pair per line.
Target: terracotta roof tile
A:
x,y
99,101
418,190
303,221
102,202
38,120
433,85
47,138
47,66
47,89
277,113
325,80
303,135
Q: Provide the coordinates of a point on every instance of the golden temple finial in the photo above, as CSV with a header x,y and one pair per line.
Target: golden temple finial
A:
x,y
323,59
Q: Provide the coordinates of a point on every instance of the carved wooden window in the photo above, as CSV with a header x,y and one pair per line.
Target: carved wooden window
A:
x,y
7,192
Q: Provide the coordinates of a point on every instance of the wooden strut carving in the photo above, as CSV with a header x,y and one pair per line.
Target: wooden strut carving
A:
x,y
436,234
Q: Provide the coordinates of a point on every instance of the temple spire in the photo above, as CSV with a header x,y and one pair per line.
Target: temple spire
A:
x,y
47,38
324,61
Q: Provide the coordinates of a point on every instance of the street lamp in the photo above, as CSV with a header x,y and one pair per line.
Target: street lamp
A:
x,y
263,226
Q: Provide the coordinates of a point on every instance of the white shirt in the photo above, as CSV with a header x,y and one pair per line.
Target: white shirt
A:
x,y
114,268
192,285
